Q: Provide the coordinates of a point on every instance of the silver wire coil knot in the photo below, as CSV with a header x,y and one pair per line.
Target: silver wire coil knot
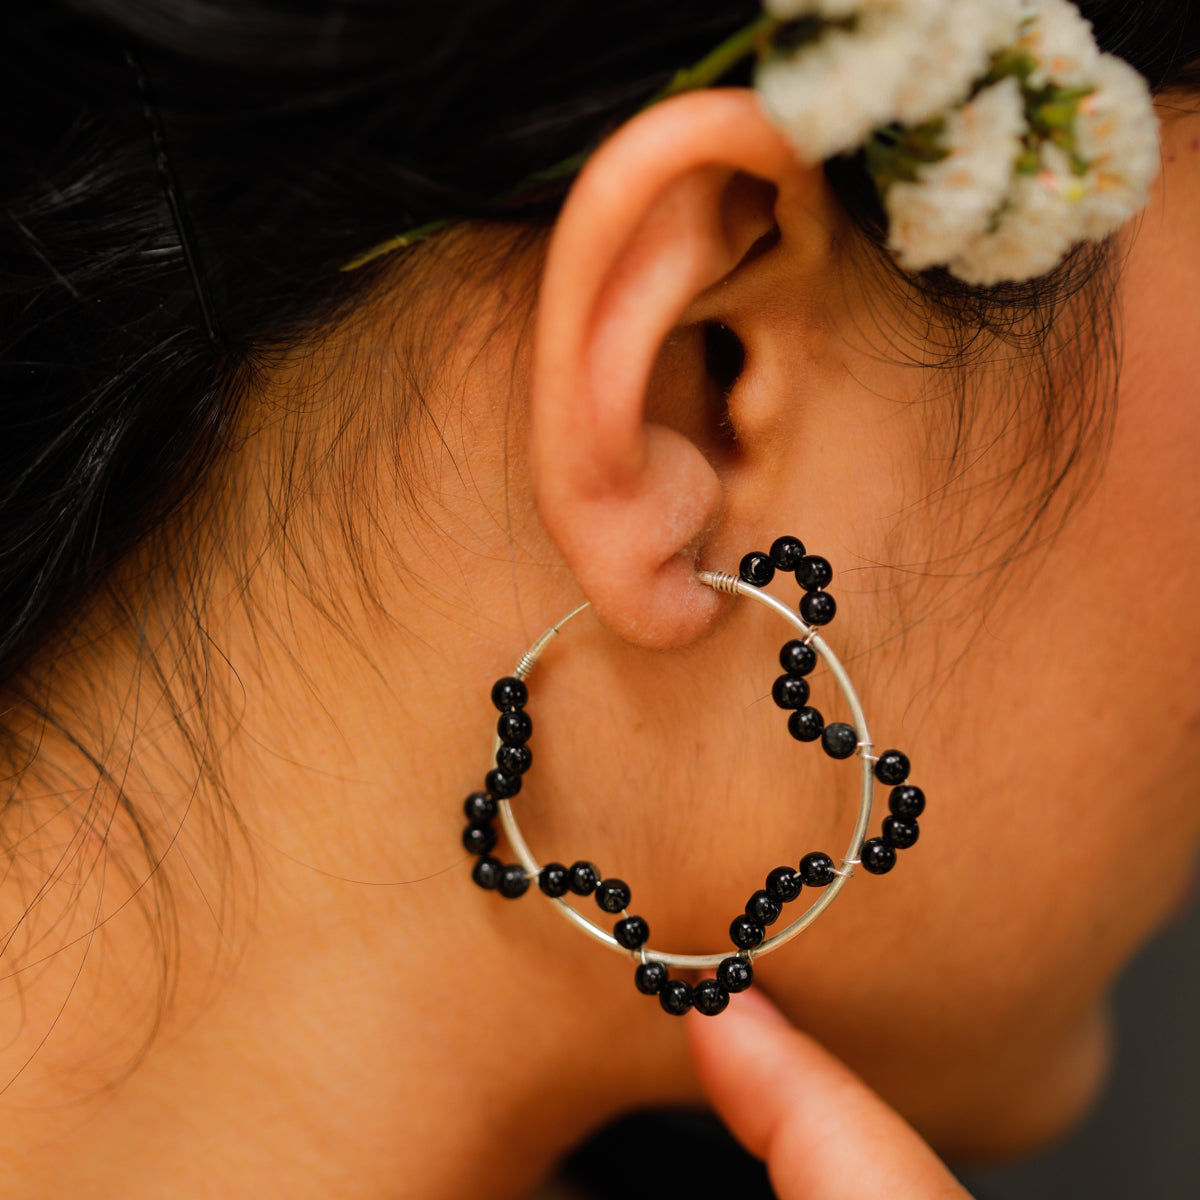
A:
x,y
721,581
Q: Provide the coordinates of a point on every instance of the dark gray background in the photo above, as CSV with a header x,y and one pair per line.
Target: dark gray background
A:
x,y
1143,1140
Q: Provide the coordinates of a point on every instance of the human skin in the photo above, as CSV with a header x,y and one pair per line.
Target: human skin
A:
x,y
352,1017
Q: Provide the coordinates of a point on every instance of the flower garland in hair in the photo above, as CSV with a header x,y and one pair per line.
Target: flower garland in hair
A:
x,y
997,134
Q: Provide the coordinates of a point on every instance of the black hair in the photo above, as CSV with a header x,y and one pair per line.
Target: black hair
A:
x,y
181,180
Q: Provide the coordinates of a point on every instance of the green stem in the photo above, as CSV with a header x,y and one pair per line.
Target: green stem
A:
x,y
719,62
399,242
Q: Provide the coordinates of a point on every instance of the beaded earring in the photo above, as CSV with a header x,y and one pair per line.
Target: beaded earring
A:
x,y
784,885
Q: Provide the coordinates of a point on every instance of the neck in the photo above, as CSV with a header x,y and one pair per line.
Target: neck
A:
x,y
350,1016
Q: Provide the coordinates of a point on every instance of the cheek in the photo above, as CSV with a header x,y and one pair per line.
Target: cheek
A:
x,y
1053,725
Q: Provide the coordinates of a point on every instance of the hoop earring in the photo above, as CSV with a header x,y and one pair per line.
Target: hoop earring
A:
x,y
816,871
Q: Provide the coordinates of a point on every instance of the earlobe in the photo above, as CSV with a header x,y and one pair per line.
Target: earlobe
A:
x,y
654,220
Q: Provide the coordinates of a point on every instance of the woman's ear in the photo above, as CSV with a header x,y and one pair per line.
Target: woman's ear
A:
x,y
660,214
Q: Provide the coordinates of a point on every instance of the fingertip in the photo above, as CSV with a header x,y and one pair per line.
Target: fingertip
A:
x,y
755,1005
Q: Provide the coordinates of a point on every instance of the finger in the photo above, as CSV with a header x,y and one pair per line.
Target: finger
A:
x,y
822,1132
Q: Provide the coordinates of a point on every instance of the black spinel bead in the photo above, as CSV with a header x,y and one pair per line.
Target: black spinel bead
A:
x,y
745,932
710,997
790,691
612,895
757,569
583,877
479,837
763,908
676,997
514,727
816,869
632,932
486,873
892,767
784,884
805,724
509,693
877,856
502,785
814,573
786,553
552,879
735,973
907,801
650,978
514,760
818,608
513,881
839,740
901,832
797,659
479,806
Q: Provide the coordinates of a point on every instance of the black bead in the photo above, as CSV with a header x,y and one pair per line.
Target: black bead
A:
x,y
710,998
479,837
797,659
757,569
553,880
907,801
513,881
502,785
784,884
763,908
786,553
839,740
735,973
632,932
479,806
650,978
901,832
612,895
745,932
509,693
816,869
814,573
676,997
514,760
877,856
583,877
486,873
790,691
818,608
805,724
514,728
892,767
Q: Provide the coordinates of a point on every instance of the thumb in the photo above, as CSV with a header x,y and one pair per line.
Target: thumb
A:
x,y
822,1132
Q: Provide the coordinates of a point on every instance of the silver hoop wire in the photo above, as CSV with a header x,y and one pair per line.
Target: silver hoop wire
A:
x,y
731,585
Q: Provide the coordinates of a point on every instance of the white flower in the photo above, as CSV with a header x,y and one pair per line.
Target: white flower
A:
x,y
953,202
1116,133
911,62
837,10
1036,227
828,95
955,53
905,60
1061,41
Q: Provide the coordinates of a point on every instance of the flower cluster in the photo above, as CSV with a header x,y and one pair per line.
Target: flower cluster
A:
x,y
997,133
